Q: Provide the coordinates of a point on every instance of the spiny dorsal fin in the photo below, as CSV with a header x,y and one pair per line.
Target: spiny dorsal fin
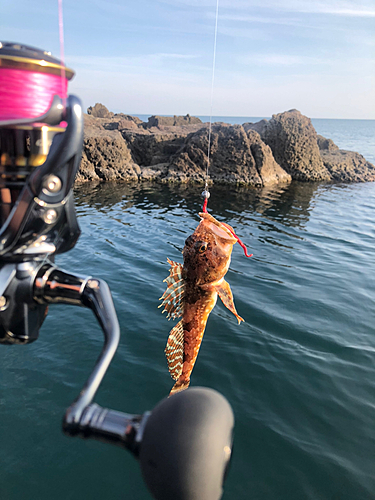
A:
x,y
174,350
173,296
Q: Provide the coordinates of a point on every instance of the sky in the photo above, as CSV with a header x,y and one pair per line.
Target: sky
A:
x,y
156,56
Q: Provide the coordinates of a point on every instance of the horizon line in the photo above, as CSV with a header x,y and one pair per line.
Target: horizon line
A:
x,y
239,116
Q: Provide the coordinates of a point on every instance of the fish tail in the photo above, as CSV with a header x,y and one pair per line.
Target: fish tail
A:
x,y
180,385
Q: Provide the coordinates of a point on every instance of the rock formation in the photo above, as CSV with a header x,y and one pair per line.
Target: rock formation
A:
x,y
345,166
293,141
175,149
157,121
99,111
235,156
107,158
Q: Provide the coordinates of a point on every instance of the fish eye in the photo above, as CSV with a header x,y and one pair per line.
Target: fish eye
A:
x,y
202,248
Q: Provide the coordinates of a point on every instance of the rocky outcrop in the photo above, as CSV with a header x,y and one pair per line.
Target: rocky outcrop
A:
x,y
269,170
293,141
172,121
122,147
347,166
235,157
326,144
107,157
175,149
117,121
122,122
149,149
99,111
344,166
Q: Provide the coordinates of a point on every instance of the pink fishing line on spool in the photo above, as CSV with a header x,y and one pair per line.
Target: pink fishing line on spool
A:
x,y
28,94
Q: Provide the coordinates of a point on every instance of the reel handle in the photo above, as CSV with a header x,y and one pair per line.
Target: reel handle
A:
x,y
184,444
109,426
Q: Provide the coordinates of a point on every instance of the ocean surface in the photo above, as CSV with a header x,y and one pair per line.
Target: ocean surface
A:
x,y
299,373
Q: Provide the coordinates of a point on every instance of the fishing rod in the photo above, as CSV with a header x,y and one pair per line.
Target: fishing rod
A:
x,y
184,443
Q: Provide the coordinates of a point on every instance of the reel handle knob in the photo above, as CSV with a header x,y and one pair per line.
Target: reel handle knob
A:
x,y
186,446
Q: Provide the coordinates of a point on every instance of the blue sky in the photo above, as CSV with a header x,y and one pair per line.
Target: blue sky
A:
x,y
155,56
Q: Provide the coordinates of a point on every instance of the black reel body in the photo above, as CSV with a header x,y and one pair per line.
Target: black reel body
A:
x,y
37,212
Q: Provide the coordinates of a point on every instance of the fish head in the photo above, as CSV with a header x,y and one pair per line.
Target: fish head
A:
x,y
208,250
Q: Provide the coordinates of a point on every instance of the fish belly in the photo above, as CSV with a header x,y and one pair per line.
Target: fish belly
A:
x,y
194,323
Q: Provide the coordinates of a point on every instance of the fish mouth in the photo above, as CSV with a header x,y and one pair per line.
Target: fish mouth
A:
x,y
218,228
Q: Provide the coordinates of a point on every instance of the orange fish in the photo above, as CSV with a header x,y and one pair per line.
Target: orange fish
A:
x,y
192,291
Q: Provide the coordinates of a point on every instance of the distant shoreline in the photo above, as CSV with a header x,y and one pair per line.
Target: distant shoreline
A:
x,y
121,147
239,120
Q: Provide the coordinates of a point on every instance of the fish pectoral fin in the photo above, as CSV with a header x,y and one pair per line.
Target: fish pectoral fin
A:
x,y
225,293
174,294
174,350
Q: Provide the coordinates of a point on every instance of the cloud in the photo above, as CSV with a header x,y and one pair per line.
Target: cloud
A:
x,y
191,3
144,62
287,21
362,8
350,10
279,60
241,94
236,32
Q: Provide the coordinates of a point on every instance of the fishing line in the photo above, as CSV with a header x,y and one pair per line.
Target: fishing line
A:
x,y
62,57
63,86
206,193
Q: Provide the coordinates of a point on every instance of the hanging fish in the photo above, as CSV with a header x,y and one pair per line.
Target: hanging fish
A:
x,y
192,290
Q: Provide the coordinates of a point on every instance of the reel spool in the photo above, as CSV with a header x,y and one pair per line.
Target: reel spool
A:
x,y
30,78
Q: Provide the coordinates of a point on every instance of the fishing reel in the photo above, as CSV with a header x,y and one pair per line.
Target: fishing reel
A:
x,y
184,444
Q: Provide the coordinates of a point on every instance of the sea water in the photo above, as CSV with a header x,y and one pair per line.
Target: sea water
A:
x,y
299,373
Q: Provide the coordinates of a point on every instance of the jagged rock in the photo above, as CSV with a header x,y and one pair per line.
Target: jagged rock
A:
x,y
91,124
123,122
156,172
120,124
294,144
258,126
99,111
151,149
172,121
112,122
235,157
347,166
326,144
130,118
269,170
344,166
107,157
